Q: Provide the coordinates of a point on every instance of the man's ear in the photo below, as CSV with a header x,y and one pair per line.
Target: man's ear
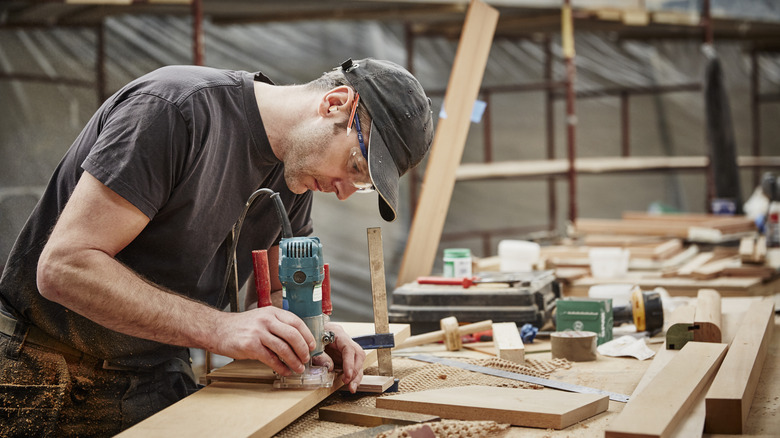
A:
x,y
337,101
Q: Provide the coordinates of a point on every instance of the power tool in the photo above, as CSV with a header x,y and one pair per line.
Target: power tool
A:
x,y
301,272
646,311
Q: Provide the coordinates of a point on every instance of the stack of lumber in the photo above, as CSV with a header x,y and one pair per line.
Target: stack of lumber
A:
x,y
705,228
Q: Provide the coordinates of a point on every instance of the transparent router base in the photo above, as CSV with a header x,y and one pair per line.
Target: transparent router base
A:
x,y
314,377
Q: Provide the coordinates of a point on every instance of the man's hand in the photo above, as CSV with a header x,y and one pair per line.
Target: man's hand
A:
x,y
346,352
271,335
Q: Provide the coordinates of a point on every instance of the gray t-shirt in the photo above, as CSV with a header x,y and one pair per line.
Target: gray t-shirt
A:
x,y
186,146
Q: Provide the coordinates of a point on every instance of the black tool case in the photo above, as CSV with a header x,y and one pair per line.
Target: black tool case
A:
x,y
424,305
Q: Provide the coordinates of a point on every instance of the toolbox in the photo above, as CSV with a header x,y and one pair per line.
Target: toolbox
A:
x,y
589,314
529,301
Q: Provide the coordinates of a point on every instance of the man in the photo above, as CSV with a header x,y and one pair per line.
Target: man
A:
x,y
120,268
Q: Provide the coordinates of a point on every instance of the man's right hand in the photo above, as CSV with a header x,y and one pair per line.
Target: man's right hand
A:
x,y
276,337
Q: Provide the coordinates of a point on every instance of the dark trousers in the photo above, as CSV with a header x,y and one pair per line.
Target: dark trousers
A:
x,y
44,392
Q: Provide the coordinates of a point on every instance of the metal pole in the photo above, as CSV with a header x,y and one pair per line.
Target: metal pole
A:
x,y
414,177
755,111
567,37
197,32
549,110
100,65
624,124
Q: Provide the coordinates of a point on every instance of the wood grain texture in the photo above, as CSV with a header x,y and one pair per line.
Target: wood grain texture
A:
x,y
660,406
375,384
239,409
376,260
370,416
509,345
449,141
729,399
707,321
520,407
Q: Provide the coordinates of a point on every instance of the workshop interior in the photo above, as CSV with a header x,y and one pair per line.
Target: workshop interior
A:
x,y
596,228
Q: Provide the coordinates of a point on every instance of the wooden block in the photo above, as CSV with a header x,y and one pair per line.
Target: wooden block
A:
x,y
507,341
662,404
449,141
370,417
680,327
375,384
519,407
707,321
452,339
245,409
747,247
731,394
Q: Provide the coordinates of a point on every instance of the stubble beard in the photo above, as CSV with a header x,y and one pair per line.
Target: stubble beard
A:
x,y
306,147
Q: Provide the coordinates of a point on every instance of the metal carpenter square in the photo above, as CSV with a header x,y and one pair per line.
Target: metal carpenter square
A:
x,y
521,377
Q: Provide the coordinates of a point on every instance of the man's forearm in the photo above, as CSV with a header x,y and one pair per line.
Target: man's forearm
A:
x,y
100,288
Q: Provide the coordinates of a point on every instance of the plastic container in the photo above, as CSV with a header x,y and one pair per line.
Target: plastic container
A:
x,y
457,262
619,293
608,262
518,255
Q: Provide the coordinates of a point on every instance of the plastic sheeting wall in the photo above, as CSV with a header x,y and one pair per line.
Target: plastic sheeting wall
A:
x,y
38,121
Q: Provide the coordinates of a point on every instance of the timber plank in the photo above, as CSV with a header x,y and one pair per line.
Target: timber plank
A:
x,y
449,142
240,409
519,407
663,403
731,394
368,416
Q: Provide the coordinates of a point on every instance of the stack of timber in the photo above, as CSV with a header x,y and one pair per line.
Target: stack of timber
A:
x,y
702,228
680,252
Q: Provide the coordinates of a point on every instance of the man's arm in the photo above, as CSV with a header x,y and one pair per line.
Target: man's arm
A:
x,y
78,270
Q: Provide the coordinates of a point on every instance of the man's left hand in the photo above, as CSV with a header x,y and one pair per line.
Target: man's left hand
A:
x,y
345,351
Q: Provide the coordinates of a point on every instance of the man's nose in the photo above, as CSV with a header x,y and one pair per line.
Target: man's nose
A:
x,y
344,189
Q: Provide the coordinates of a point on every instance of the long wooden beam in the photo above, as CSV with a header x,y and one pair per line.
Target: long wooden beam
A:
x,y
449,141
731,394
240,409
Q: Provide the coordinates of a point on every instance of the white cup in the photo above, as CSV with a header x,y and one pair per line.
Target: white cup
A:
x,y
518,255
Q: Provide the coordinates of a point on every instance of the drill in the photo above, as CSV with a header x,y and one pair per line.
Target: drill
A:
x,y
302,273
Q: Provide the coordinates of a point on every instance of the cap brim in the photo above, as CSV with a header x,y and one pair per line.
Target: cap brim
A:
x,y
384,174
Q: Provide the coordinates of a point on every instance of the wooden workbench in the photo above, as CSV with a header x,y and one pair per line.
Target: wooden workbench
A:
x,y
620,375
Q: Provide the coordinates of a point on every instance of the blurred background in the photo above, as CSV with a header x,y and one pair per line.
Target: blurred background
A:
x,y
639,92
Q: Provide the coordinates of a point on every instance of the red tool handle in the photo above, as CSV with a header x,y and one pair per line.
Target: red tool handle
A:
x,y
262,277
466,282
327,306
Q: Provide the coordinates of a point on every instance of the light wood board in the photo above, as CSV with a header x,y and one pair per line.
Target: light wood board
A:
x,y
509,344
236,409
731,394
449,141
369,416
661,405
519,407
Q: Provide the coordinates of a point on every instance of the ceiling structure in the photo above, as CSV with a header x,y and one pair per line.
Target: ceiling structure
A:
x,y
639,19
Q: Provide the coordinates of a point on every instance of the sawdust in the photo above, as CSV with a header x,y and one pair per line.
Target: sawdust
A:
x,y
453,429
416,377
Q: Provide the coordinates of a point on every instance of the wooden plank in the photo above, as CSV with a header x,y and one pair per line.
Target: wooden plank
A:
x,y
235,409
662,404
449,141
519,407
509,345
252,371
714,268
369,416
707,321
376,262
697,262
375,384
731,394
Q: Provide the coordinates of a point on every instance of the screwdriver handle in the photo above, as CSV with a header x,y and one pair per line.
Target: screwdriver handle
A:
x,y
262,277
327,306
466,282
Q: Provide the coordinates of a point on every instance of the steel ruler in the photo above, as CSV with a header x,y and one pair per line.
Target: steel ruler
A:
x,y
521,377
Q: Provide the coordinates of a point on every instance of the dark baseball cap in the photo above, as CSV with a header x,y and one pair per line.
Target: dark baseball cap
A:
x,y
401,124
